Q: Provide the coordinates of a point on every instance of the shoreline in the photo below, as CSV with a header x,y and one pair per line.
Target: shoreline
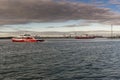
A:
x,y
61,37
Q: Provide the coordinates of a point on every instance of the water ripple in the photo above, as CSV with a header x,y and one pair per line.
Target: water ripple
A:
x,y
60,60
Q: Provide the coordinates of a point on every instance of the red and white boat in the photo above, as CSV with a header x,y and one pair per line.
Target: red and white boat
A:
x,y
26,38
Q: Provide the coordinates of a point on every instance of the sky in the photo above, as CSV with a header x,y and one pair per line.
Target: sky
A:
x,y
59,15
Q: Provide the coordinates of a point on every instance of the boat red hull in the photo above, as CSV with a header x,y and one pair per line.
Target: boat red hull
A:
x,y
40,40
26,40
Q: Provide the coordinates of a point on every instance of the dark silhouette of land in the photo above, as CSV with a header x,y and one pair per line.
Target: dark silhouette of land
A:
x,y
5,37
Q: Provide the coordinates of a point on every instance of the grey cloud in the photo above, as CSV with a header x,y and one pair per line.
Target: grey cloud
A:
x,y
51,27
116,2
23,28
78,25
25,11
74,25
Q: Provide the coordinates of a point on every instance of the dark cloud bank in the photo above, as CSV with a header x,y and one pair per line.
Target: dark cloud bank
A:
x,y
24,11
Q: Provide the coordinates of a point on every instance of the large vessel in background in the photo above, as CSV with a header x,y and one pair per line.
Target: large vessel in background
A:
x,y
85,37
26,38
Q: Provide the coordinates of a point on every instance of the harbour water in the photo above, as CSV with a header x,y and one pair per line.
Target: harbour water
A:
x,y
60,59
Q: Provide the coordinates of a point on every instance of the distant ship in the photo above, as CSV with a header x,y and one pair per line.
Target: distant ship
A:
x,y
85,37
26,38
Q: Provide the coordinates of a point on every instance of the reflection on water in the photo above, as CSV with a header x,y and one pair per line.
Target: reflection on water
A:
x,y
60,60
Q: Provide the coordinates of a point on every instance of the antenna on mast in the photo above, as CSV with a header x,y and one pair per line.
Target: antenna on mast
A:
x,y
111,30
